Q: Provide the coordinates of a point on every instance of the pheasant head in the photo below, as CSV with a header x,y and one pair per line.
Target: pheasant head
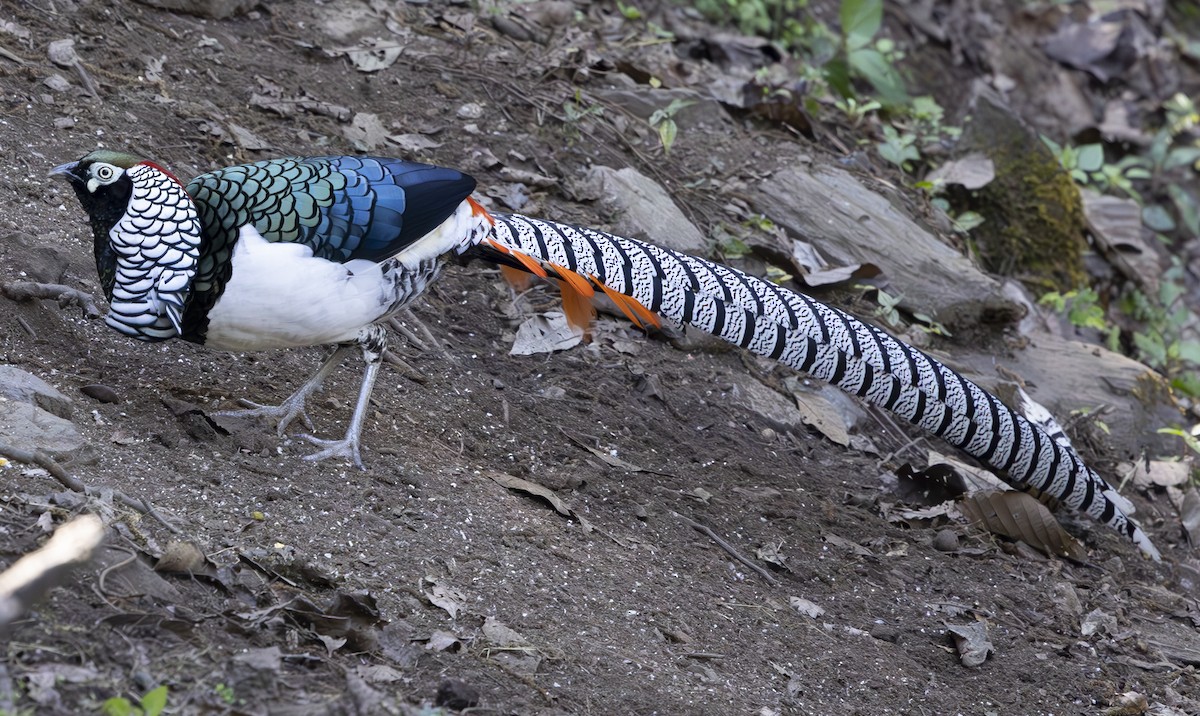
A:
x,y
147,240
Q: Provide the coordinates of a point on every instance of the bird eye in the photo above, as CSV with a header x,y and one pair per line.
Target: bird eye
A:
x,y
104,172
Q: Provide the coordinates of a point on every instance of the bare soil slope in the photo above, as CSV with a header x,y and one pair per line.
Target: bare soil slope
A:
x,y
424,579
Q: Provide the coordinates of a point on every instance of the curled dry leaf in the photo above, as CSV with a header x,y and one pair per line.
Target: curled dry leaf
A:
x,y
545,333
973,171
805,607
972,642
1021,517
184,557
444,597
373,55
533,488
441,640
1160,473
1130,703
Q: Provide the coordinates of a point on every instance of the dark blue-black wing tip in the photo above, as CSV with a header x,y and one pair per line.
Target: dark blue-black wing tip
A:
x,y
428,195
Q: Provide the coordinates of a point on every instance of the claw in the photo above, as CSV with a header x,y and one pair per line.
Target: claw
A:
x,y
346,448
283,414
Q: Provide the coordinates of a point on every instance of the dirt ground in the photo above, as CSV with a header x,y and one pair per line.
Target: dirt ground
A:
x,y
424,584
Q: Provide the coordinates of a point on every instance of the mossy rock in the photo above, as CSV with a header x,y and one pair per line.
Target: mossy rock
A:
x,y
1034,228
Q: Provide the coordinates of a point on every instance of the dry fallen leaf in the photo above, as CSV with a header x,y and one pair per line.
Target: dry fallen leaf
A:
x,y
366,132
373,55
183,557
972,642
1130,703
444,597
508,646
1097,622
974,171
441,640
1162,473
1021,517
62,53
805,607
533,488
545,333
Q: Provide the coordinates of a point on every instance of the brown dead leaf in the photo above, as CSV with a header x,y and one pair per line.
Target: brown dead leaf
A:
x,y
441,640
852,547
1130,703
1161,473
533,488
510,647
972,642
545,333
444,597
372,54
974,171
806,607
184,557
1021,517
266,659
366,132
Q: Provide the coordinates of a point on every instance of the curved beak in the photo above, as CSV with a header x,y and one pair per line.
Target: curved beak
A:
x,y
67,170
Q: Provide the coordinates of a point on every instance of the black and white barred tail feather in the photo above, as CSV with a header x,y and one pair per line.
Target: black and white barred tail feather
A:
x,y
824,342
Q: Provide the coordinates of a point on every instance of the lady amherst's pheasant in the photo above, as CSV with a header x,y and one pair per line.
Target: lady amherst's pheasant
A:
x,y
308,251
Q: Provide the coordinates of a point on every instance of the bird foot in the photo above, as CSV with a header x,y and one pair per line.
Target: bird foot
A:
x,y
346,448
282,414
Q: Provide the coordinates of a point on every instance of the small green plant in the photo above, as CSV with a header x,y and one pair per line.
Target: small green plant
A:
x,y
1166,338
729,246
225,693
777,275
1087,166
774,19
629,12
899,148
151,704
1191,441
854,110
888,311
864,56
914,130
575,111
663,121
1082,307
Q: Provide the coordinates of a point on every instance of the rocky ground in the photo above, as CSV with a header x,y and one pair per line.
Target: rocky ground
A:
x,y
541,534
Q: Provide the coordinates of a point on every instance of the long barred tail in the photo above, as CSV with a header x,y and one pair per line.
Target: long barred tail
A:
x,y
812,337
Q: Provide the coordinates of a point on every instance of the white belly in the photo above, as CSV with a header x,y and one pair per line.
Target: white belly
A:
x,y
280,296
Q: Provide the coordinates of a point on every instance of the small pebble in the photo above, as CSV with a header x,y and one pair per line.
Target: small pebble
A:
x,y
102,393
456,695
884,632
946,541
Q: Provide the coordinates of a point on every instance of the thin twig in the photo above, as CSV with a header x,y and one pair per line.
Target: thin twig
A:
x,y
65,295
69,481
439,349
408,334
28,328
103,591
389,356
728,548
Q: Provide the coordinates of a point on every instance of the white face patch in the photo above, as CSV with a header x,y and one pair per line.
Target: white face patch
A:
x,y
102,174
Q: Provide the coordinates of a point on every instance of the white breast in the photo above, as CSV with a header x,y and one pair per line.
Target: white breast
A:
x,y
280,296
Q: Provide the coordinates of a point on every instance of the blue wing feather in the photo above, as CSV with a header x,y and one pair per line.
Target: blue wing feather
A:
x,y
383,206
